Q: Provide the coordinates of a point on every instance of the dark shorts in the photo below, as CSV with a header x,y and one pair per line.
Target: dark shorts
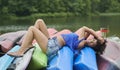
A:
x,y
53,47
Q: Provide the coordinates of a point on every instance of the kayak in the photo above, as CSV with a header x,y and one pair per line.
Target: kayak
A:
x,y
110,59
62,61
6,60
85,60
38,60
106,63
21,63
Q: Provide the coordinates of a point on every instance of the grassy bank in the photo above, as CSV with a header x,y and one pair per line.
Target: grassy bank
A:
x,y
109,14
39,15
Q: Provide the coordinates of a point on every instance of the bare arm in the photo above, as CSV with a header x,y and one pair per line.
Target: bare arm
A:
x,y
84,32
92,32
81,33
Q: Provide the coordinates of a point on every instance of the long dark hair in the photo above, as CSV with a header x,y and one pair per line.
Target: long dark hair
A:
x,y
99,48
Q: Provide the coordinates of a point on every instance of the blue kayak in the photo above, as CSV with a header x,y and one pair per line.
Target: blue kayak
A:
x,y
6,60
62,61
85,60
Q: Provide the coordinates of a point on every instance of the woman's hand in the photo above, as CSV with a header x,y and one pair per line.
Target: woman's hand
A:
x,y
101,39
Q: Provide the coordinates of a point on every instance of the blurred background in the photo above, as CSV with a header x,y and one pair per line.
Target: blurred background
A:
x,y
61,14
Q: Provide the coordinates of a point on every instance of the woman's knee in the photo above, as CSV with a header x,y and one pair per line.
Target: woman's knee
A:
x,y
39,21
32,28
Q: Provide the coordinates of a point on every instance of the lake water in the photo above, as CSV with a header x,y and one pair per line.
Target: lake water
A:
x,y
72,23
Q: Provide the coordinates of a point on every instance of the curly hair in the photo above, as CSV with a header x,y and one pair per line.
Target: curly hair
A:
x,y
99,48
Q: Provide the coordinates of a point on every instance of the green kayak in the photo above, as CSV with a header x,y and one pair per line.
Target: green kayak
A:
x,y
39,59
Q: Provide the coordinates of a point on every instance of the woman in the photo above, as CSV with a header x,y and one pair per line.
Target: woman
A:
x,y
50,46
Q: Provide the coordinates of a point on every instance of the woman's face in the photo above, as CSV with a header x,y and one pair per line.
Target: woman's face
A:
x,y
91,42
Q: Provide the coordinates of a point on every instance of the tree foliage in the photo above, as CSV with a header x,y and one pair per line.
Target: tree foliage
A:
x,y
77,7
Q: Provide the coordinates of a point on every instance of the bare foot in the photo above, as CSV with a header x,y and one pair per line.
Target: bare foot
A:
x,y
15,54
19,53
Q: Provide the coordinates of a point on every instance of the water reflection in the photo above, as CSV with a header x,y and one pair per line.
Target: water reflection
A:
x,y
72,23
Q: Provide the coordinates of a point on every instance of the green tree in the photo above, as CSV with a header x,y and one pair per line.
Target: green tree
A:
x,y
77,7
104,5
95,5
4,7
114,6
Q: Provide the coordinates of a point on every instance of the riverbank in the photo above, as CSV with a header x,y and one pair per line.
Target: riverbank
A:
x,y
109,14
52,15
39,15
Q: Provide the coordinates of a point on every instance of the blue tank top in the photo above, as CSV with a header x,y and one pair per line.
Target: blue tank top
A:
x,y
71,40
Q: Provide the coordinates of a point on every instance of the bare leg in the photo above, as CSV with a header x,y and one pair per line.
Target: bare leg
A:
x,y
42,27
33,33
41,39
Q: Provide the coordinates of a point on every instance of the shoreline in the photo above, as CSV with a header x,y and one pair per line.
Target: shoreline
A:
x,y
54,15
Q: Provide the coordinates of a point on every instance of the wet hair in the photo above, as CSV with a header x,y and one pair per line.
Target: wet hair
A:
x,y
99,48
